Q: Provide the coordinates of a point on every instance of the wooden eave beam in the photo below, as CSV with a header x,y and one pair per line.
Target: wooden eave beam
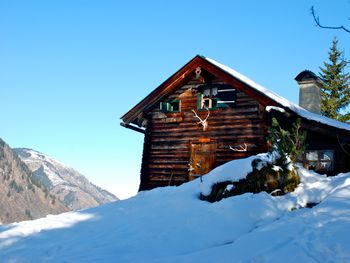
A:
x,y
131,127
326,129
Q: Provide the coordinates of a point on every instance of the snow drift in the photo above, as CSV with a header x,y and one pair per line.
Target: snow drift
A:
x,y
172,225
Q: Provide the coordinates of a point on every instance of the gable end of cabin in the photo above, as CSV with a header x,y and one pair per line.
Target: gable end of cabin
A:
x,y
203,123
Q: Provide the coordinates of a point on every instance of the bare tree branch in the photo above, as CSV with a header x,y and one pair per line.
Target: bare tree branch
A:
x,y
317,21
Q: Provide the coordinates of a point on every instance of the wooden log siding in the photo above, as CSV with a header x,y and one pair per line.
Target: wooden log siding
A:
x,y
174,140
167,154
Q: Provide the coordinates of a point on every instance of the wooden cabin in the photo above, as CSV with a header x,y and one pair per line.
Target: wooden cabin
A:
x,y
207,114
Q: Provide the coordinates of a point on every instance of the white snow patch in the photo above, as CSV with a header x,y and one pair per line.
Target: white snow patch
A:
x,y
53,176
276,168
171,224
27,228
229,187
269,108
234,171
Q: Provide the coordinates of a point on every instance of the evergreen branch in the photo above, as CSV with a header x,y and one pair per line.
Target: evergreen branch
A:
x,y
345,118
317,21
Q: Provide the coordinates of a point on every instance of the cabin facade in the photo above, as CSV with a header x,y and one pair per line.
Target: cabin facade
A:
x,y
207,114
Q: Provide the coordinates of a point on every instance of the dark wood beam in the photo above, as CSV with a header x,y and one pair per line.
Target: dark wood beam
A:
x,y
131,127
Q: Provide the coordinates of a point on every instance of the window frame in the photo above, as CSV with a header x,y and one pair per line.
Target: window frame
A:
x,y
320,161
214,101
169,108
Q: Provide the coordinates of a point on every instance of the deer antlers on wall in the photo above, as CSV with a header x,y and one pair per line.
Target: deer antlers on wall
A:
x,y
204,122
240,149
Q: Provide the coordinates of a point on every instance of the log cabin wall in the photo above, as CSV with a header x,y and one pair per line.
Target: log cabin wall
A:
x,y
175,142
172,138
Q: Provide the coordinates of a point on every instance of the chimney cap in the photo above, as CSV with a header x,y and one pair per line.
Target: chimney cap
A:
x,y
306,75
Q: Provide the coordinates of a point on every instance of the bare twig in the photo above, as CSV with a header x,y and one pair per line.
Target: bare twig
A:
x,y
317,21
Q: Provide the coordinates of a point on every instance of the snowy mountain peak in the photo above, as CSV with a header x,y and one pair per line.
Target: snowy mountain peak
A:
x,y
72,188
42,166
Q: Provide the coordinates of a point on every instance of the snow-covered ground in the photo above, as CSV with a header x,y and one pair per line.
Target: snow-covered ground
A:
x,y
172,225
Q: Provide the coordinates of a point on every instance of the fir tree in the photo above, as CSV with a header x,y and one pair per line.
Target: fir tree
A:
x,y
335,90
289,144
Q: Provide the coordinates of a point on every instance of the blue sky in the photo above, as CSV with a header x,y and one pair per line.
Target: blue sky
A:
x,y
70,69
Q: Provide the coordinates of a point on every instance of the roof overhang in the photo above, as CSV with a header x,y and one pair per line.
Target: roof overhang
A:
x,y
231,77
180,77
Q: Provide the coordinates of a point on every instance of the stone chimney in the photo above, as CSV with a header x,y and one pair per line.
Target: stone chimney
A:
x,y
310,91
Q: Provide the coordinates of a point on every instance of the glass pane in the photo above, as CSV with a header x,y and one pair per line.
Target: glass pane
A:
x,y
326,166
164,106
175,106
227,95
312,156
214,91
207,103
326,155
312,166
206,92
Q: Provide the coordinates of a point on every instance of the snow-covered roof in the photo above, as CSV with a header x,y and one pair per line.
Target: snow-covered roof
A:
x,y
168,86
280,100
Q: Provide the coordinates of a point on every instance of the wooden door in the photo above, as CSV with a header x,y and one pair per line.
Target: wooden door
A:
x,y
203,156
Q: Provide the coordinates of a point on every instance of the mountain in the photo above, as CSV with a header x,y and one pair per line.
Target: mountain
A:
x,y
21,196
172,224
68,185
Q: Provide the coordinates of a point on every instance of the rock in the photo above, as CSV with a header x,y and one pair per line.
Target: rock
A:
x,y
275,178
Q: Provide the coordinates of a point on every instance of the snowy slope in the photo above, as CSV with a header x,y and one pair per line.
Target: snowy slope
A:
x,y
172,225
72,188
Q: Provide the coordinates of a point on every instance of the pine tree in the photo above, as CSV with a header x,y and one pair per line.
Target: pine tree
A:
x,y
335,91
289,144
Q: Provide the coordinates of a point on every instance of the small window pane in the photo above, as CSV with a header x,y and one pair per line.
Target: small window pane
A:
x,y
206,92
312,166
312,156
206,103
214,103
326,166
175,106
214,91
227,95
327,156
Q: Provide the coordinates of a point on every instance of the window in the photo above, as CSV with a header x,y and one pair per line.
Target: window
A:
x,y
170,106
319,160
216,96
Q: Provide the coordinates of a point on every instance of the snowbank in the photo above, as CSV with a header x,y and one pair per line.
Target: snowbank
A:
x,y
172,225
233,171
